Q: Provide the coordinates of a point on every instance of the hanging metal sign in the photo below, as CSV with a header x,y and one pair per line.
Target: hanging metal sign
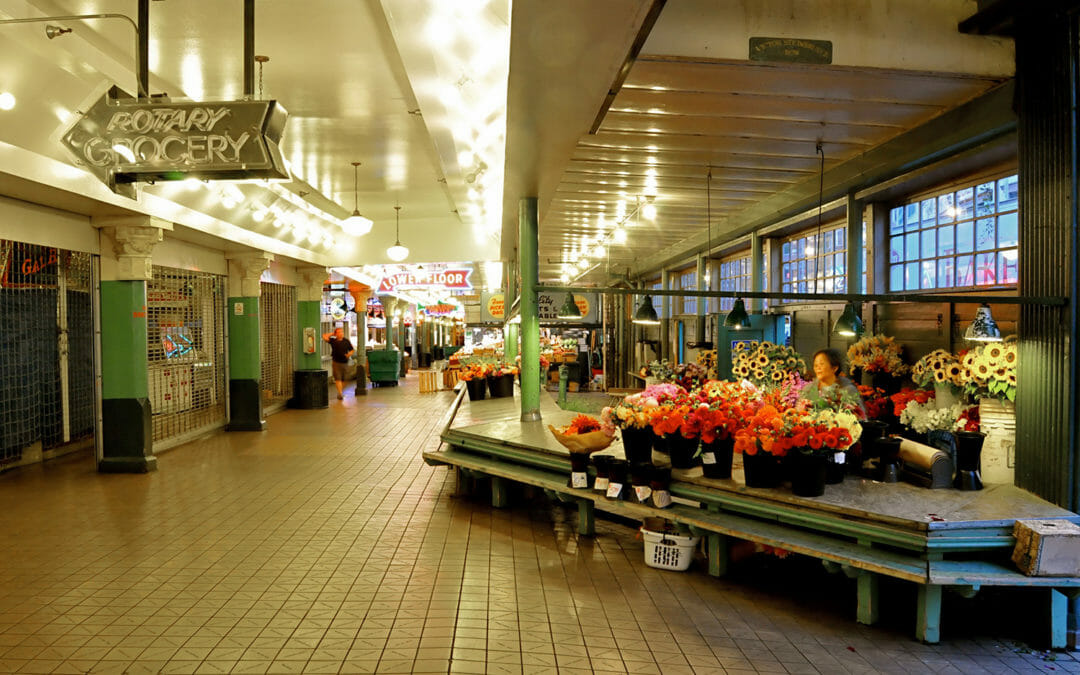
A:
x,y
417,279
123,141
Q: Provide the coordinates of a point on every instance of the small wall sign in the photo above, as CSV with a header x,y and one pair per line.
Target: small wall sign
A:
x,y
790,50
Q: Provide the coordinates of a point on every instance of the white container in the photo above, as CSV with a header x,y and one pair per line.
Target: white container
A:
x,y
998,421
945,395
668,551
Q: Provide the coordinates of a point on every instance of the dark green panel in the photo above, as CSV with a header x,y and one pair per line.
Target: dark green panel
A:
x,y
126,442
123,340
244,357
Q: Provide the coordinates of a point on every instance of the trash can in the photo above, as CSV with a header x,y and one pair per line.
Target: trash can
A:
x,y
310,389
383,366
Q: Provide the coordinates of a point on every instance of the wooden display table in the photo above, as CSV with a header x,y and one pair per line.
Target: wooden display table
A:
x,y
935,538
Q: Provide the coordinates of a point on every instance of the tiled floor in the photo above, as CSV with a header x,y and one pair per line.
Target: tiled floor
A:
x,y
326,545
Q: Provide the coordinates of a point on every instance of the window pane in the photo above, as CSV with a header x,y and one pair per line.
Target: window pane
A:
x,y
800,249
945,211
829,284
985,234
802,270
928,209
840,285
911,217
1007,192
929,274
965,273
787,288
984,199
911,246
811,268
945,240
985,269
965,237
896,249
896,220
802,286
945,272
840,240
840,264
828,243
786,251
929,243
896,278
911,276
1007,267
1007,229
964,203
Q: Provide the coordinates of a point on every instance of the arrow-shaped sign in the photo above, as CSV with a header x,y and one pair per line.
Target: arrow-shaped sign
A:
x,y
122,140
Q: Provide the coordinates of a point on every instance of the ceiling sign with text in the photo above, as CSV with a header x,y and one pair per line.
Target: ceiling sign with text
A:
x,y
124,141
451,279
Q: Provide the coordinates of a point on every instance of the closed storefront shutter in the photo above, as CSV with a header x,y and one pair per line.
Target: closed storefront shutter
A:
x,y
277,308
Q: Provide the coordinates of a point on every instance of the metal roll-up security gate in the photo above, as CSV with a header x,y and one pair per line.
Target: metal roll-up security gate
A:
x,y
277,309
185,315
46,352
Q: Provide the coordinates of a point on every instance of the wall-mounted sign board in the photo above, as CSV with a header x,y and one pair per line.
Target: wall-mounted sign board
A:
x,y
790,50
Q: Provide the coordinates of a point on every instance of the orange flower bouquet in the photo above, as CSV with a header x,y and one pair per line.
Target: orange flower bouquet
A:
x,y
474,371
584,435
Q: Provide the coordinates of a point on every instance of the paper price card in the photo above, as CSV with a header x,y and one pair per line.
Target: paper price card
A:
x,y
661,499
602,484
642,492
708,458
579,479
614,490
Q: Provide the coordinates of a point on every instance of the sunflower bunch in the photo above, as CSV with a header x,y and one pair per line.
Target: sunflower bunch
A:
x,y
877,354
989,371
938,367
765,364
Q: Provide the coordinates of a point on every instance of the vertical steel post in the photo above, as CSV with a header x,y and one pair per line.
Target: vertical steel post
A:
x,y
249,48
854,244
529,263
665,317
143,56
702,269
757,271
511,332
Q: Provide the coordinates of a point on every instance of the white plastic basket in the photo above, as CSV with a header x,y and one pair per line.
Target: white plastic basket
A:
x,y
668,551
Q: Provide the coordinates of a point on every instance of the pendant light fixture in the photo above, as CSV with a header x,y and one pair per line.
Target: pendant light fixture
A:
x,y
646,313
849,324
737,318
983,328
397,252
356,224
569,309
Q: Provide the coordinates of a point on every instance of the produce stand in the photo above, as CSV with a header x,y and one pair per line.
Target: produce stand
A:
x,y
938,539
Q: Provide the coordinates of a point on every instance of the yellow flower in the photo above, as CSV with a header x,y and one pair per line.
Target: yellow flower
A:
x,y
759,374
969,360
1009,355
939,376
763,360
1001,374
994,351
777,375
1011,379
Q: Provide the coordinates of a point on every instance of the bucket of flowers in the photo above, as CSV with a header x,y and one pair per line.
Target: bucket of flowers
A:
x,y
690,376
765,364
880,356
631,417
677,431
719,414
943,372
582,437
761,441
500,380
817,438
474,375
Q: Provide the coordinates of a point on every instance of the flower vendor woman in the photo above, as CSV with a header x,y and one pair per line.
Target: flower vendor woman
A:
x,y
829,388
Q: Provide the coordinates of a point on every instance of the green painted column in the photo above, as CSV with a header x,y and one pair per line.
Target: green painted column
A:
x,y
529,264
511,342
245,365
127,438
511,333
757,272
307,316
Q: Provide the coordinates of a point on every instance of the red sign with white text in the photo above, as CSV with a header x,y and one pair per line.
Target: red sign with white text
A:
x,y
451,279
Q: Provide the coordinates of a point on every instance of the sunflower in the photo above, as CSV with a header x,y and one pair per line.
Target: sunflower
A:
x,y
1011,379
1009,355
994,351
954,372
762,360
777,375
740,345
936,365
939,376
743,371
1001,374
759,374
969,360
982,370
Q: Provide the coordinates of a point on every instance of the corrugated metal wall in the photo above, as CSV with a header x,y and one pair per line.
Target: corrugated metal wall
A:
x,y
1046,58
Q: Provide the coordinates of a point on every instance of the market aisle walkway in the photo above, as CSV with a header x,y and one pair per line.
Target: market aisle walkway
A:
x,y
326,545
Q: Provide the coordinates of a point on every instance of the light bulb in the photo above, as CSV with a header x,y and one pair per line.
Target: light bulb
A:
x,y
7,101
649,211
397,252
356,225
619,236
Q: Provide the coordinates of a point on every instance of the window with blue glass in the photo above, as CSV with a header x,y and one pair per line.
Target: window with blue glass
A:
x,y
688,282
962,238
734,276
813,262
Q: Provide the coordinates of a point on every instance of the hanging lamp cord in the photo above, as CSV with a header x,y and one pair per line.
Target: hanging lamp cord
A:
x,y
356,186
397,225
820,198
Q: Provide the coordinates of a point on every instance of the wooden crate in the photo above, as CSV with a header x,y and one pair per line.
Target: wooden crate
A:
x,y
1047,548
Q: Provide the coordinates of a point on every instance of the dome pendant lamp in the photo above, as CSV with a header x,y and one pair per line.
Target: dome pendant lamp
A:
x,y
397,252
646,313
983,328
356,224
737,318
849,324
569,309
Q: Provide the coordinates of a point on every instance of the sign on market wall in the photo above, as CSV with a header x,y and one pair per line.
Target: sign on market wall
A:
x,y
123,140
426,279
493,307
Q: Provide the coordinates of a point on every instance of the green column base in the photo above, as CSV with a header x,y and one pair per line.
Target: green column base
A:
x,y
245,406
127,437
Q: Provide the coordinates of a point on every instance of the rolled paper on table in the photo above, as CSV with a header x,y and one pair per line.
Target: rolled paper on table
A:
x,y
926,466
921,456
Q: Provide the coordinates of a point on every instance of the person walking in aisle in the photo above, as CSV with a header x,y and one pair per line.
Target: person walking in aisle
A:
x,y
340,351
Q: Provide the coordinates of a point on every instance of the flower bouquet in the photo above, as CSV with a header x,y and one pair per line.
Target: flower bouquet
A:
x,y
718,415
943,372
764,364
989,371
631,416
501,379
475,377
677,430
875,401
877,354
658,371
925,417
583,436
820,440
690,376
761,442
902,398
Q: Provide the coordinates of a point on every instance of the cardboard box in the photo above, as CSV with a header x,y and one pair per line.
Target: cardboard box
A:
x,y
1047,548
572,386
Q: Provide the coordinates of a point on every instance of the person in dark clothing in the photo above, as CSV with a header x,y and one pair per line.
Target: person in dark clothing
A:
x,y
340,351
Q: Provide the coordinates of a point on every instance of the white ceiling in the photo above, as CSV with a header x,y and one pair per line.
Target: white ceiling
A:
x,y
425,92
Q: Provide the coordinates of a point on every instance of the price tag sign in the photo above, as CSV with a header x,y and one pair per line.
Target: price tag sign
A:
x,y
839,457
642,492
708,458
601,484
614,490
661,499
579,479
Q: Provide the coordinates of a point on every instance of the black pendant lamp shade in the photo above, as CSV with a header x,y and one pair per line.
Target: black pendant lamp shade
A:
x,y
569,309
737,318
983,328
849,324
646,313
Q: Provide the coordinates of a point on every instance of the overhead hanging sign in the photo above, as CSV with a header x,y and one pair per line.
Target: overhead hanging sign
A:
x,y
493,307
123,141
428,280
439,309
